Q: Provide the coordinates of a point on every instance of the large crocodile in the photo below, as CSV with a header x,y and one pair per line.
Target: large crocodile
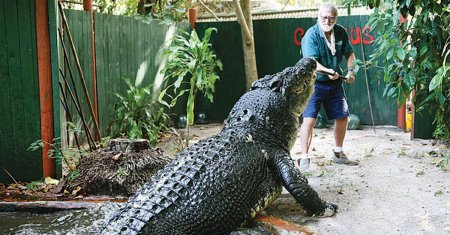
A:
x,y
220,182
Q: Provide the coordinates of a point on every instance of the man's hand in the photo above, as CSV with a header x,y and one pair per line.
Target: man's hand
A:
x,y
335,76
350,78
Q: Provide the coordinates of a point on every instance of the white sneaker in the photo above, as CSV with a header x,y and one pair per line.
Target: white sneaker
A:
x,y
304,164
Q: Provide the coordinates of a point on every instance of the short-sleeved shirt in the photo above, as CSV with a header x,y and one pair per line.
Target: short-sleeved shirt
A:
x,y
314,45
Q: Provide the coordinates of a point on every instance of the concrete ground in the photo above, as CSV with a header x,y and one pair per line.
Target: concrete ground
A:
x,y
396,189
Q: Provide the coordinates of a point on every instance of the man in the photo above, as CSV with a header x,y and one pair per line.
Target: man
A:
x,y
327,42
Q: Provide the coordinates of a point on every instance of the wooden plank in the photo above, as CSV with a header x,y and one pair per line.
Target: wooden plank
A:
x,y
131,26
29,76
115,55
134,49
52,18
16,109
140,45
5,103
122,42
100,55
108,81
86,56
143,46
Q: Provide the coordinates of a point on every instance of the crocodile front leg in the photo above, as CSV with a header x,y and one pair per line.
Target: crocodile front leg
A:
x,y
297,185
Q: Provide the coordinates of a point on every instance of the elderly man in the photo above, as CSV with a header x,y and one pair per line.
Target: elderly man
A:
x,y
327,42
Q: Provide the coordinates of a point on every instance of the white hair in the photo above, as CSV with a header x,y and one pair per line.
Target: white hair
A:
x,y
328,6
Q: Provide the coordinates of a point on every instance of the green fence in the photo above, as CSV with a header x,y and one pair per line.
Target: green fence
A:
x,y
277,46
19,92
126,47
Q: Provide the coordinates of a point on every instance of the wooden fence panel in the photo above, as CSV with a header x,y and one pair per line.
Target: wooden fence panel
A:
x,y
19,98
126,48
79,24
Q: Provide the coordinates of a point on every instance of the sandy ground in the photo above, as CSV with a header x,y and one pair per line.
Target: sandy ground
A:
x,y
396,189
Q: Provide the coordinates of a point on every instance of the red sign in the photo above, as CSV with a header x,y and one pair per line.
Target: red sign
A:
x,y
357,35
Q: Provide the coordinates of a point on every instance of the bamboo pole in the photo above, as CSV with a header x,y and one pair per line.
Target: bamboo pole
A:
x,y
80,71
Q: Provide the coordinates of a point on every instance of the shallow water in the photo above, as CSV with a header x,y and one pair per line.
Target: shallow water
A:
x,y
62,222
87,221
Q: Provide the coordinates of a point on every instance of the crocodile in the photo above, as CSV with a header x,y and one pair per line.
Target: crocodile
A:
x,y
219,183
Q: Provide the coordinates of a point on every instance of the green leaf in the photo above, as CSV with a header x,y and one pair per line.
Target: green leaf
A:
x,y
401,53
437,79
423,50
391,91
390,54
441,100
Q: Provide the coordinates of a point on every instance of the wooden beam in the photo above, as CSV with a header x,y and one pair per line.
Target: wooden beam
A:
x,y
45,85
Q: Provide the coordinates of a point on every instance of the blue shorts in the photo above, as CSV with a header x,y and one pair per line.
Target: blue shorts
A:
x,y
331,94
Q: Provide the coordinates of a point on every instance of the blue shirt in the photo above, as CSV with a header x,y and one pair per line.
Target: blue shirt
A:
x,y
314,45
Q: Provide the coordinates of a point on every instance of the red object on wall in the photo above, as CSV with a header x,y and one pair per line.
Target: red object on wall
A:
x,y
45,85
298,35
357,35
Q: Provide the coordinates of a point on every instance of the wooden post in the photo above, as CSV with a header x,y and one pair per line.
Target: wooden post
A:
x,y
401,117
45,85
192,17
87,5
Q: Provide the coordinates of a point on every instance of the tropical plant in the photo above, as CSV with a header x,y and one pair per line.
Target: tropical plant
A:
x,y
191,62
138,115
415,52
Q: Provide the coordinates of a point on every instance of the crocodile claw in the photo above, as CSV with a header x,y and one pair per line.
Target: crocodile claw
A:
x,y
329,211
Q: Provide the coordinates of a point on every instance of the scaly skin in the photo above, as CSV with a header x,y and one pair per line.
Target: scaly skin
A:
x,y
220,182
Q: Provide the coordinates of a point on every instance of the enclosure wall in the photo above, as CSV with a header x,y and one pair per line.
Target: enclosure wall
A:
x,y
277,43
126,47
19,92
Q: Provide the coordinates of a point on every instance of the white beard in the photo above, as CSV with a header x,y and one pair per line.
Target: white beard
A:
x,y
326,28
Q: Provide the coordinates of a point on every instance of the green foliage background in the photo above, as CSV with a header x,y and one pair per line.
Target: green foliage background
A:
x,y
415,53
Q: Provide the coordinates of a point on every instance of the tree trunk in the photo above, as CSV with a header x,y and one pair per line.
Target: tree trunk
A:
x,y
244,17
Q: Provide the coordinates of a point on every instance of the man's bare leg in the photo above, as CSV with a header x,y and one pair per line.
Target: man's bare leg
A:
x,y
340,129
305,138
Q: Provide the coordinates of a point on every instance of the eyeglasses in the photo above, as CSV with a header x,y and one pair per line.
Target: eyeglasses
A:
x,y
330,18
